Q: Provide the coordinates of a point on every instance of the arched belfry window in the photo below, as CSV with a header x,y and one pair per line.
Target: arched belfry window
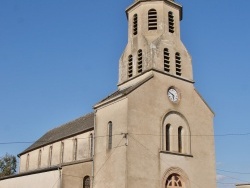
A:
x,y
180,145
178,63
174,181
167,129
130,66
166,60
152,19
171,22
86,182
139,61
110,127
135,24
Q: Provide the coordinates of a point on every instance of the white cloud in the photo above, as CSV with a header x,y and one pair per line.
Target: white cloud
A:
x,y
219,163
220,177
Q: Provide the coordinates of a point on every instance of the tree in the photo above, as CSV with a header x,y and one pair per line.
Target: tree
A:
x,y
7,165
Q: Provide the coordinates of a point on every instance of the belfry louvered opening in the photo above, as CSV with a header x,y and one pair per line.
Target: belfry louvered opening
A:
x,y
139,61
152,19
178,63
135,24
171,22
166,60
130,66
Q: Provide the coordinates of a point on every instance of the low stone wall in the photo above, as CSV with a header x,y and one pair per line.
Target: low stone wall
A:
x,y
46,179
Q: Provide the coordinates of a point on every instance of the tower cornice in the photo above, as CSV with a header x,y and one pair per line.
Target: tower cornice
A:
x,y
169,2
158,71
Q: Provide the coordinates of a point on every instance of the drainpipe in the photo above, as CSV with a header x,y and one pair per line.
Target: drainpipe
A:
x,y
93,154
60,177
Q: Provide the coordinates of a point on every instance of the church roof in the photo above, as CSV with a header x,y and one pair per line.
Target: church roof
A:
x,y
80,124
122,92
71,128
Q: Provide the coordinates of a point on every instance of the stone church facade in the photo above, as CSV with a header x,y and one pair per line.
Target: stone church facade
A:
x,y
147,134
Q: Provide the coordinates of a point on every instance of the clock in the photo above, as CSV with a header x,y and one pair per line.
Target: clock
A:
x,y
173,95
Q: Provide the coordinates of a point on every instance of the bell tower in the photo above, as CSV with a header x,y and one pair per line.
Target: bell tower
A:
x,y
154,42
153,131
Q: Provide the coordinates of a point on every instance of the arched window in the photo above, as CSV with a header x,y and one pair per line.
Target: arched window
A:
x,y
174,181
176,136
39,158
166,60
152,19
27,161
86,182
178,63
110,127
139,61
62,152
130,66
50,156
91,141
168,137
180,139
135,23
171,22
75,149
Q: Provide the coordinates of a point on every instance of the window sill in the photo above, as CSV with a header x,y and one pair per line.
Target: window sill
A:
x,y
175,153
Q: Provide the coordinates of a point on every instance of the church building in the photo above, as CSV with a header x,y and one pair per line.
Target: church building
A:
x,y
147,134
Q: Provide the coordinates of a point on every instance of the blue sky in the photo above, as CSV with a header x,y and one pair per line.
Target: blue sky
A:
x,y
58,58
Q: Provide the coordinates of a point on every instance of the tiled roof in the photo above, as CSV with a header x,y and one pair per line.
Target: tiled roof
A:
x,y
125,91
117,93
74,127
81,124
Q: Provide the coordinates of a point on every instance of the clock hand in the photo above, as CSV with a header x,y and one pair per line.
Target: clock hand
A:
x,y
172,95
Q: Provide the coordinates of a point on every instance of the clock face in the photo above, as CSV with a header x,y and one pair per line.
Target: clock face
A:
x,y
173,95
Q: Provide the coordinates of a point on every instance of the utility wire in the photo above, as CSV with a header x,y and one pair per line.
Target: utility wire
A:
x,y
222,135
41,141
215,135
233,172
234,178
157,156
56,182
225,183
108,158
217,169
95,175
212,135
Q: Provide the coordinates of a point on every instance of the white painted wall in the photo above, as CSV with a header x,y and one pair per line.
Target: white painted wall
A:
x,y
47,179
